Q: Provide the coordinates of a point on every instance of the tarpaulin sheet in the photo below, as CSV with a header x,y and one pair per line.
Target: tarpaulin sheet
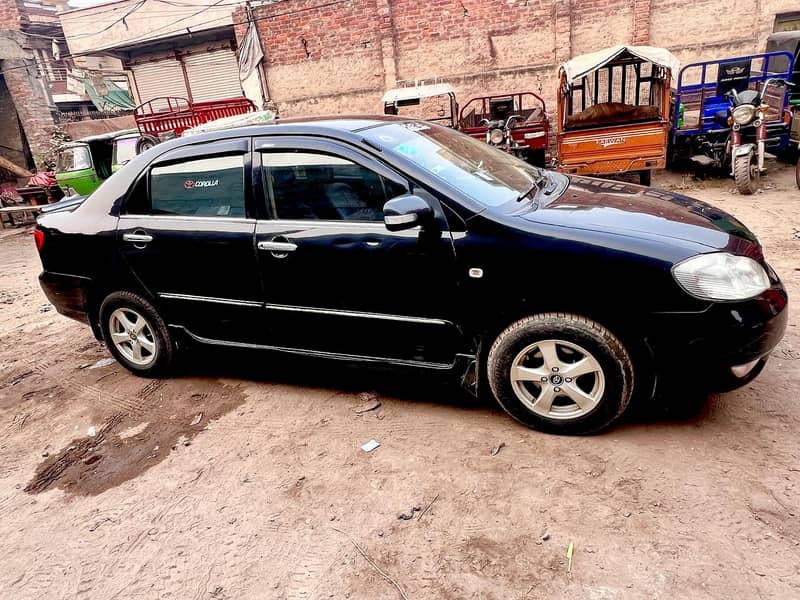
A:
x,y
580,66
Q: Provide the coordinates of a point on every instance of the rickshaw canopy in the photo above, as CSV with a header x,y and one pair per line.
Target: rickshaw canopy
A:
x,y
577,68
417,92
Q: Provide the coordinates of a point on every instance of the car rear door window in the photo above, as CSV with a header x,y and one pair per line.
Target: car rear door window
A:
x,y
205,187
317,186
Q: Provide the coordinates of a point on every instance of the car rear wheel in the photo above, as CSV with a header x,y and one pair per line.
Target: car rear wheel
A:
x,y
560,373
136,335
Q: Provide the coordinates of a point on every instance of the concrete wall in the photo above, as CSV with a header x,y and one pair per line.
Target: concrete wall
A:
x,y
341,58
85,28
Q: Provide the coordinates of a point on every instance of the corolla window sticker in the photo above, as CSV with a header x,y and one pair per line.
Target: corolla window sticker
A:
x,y
191,184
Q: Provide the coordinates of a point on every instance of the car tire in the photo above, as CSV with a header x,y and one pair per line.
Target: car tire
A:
x,y
136,335
550,345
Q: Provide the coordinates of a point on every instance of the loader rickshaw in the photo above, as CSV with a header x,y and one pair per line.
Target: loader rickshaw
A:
x,y
614,111
732,113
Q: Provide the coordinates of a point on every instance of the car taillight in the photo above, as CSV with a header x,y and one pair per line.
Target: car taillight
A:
x,y
38,237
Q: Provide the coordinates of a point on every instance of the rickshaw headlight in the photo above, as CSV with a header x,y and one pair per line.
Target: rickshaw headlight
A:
x,y
496,136
721,276
744,114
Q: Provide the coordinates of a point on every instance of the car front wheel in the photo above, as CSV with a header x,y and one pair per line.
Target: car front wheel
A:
x,y
560,373
136,335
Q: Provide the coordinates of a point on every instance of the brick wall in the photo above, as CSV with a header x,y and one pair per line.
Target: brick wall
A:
x,y
32,102
22,85
10,16
340,58
11,146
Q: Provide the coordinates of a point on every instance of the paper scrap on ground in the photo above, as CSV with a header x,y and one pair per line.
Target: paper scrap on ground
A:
x,y
370,446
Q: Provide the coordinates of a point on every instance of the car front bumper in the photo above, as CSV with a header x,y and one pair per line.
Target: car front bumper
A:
x,y
707,346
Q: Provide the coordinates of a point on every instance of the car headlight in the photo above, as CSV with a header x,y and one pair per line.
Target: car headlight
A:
x,y
496,136
743,114
721,276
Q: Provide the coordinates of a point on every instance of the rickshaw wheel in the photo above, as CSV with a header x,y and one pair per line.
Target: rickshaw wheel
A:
x,y
797,173
145,143
746,174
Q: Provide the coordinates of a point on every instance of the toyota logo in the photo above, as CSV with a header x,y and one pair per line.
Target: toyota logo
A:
x,y
188,184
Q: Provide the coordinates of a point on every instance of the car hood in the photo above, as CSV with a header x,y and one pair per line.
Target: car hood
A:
x,y
637,211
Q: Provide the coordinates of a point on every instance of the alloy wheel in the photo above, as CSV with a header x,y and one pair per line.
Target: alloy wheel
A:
x,y
557,379
133,336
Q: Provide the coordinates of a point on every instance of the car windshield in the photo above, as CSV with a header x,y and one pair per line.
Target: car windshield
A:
x,y
485,174
124,150
76,158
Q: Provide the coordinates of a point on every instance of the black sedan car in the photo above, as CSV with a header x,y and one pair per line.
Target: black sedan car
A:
x,y
400,242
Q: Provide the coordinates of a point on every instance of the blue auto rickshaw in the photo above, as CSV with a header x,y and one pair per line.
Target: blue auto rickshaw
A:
x,y
702,121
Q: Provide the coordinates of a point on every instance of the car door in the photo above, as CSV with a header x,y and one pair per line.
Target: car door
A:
x,y
335,279
187,232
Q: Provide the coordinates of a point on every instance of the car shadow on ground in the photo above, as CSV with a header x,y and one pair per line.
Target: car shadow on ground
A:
x,y
405,384
402,383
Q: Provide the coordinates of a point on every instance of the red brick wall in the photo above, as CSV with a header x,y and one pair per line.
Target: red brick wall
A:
x,y
32,104
10,16
342,57
23,85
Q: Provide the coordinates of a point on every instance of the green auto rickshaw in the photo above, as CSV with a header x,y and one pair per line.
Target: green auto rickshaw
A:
x,y
84,164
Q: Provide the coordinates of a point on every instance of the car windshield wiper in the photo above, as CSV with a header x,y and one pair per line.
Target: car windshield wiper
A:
x,y
535,184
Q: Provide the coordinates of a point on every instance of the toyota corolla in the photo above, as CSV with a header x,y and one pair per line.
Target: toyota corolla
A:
x,y
393,241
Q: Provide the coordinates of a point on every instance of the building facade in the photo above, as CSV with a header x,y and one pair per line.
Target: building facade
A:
x,y
27,111
333,57
184,49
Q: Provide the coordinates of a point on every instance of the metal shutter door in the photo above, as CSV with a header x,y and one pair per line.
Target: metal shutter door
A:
x,y
213,75
162,78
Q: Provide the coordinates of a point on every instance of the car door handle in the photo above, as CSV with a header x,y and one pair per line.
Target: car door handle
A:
x,y
277,246
137,238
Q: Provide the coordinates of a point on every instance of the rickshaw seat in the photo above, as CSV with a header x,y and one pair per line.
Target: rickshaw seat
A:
x,y
608,113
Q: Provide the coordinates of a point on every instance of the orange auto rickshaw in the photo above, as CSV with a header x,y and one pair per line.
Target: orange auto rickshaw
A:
x,y
614,111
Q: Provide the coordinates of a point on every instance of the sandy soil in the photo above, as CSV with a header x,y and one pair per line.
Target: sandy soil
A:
x,y
244,478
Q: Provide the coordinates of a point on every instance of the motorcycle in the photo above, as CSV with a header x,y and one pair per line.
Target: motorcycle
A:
x,y
748,139
499,135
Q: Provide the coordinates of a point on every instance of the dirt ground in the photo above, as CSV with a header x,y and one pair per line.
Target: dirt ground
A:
x,y
243,477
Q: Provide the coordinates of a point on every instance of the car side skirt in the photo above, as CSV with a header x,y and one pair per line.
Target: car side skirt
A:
x,y
461,363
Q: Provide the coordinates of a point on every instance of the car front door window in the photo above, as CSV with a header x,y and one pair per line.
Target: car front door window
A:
x,y
317,186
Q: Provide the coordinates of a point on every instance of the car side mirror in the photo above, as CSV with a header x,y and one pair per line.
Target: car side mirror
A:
x,y
406,212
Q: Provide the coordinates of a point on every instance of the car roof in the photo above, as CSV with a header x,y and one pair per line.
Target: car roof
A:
x,y
337,126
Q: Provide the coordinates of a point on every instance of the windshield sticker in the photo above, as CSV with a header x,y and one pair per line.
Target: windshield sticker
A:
x,y
407,150
223,211
415,126
436,169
